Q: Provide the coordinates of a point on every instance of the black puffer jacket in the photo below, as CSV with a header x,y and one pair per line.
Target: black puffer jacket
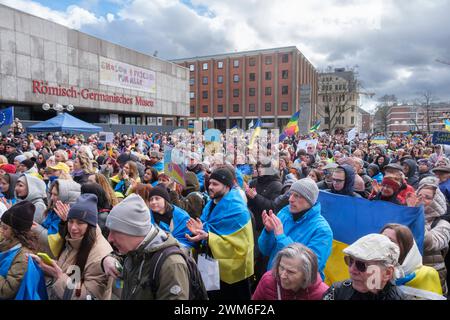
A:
x,y
344,291
267,189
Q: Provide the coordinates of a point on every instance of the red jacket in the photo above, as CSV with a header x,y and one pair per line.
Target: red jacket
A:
x,y
267,290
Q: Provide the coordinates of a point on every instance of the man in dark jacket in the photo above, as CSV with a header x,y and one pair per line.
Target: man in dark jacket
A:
x,y
11,152
410,171
343,181
424,166
371,262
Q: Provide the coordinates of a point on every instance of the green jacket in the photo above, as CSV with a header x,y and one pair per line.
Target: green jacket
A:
x,y
173,278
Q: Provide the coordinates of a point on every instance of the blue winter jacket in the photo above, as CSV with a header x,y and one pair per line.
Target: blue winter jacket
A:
x,y
445,189
311,230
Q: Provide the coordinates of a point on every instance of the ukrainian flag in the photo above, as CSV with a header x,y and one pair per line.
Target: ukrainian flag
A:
x,y
255,134
230,236
447,124
351,218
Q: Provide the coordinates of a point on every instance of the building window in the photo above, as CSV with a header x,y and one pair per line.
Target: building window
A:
x,y
336,87
252,62
192,95
235,107
235,63
343,120
268,91
236,78
220,93
191,81
251,107
205,109
284,106
327,120
236,93
192,109
268,75
191,67
284,74
219,64
353,109
268,106
251,92
285,58
205,94
205,80
205,66
284,89
219,79
268,60
219,108
353,120
251,77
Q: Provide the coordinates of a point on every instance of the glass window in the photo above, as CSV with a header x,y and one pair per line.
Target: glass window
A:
x,y
285,58
251,92
268,75
205,66
268,60
284,106
284,90
192,109
220,108
205,80
220,93
268,106
268,91
191,81
191,67
205,109
252,62
235,63
251,107
353,120
192,95
251,77
205,94
219,79
236,78
284,74
235,107
219,64
235,93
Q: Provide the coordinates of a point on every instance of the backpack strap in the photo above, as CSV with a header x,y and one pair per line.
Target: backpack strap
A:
x,y
156,262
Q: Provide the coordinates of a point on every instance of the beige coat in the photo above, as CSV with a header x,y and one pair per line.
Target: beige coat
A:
x,y
94,281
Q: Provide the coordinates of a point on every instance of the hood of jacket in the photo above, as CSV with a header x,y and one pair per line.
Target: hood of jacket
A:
x,y
192,183
349,185
385,163
10,194
36,188
436,208
412,167
157,239
374,167
412,262
266,179
69,190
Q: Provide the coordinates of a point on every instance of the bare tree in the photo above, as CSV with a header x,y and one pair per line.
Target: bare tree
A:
x,y
382,111
426,99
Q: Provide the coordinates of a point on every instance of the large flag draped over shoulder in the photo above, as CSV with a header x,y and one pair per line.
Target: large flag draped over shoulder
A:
x,y
351,218
230,236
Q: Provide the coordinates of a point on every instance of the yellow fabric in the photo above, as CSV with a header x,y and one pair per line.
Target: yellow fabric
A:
x,y
56,243
234,253
336,269
427,278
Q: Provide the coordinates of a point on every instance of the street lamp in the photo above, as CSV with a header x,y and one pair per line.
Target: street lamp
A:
x,y
57,107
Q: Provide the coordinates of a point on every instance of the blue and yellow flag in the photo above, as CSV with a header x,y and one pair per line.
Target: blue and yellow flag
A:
x,y
351,218
447,124
230,236
256,133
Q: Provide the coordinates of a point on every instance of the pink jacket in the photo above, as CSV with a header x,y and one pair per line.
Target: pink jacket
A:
x,y
267,290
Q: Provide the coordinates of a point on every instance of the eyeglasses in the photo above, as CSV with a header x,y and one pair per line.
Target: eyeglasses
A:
x,y
360,265
337,181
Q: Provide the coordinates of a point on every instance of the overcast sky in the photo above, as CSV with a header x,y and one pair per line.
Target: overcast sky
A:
x,y
393,43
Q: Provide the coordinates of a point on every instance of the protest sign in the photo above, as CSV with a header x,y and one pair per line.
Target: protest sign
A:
x,y
174,165
441,137
106,137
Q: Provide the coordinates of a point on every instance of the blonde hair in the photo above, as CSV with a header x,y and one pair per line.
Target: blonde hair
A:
x,y
104,183
63,154
3,159
85,163
134,173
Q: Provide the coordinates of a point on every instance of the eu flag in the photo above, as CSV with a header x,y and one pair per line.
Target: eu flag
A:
x,y
6,116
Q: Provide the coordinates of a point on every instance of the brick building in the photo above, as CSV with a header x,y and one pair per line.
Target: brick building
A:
x,y
236,88
364,121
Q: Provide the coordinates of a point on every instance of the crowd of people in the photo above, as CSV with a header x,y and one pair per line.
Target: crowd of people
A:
x,y
106,210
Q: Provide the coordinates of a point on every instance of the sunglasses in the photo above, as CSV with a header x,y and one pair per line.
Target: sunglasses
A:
x,y
360,265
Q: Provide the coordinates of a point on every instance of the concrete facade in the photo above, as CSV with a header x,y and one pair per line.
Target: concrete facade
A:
x,y
34,49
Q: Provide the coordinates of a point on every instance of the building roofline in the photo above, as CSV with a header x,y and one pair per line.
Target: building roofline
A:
x,y
240,53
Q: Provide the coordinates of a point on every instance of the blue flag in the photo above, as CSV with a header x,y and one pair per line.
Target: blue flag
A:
x,y
6,116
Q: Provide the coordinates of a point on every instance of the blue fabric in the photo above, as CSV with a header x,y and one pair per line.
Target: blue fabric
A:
x,y
51,222
6,116
445,189
405,279
239,178
201,180
33,284
228,216
120,187
159,166
64,122
311,230
155,183
378,177
6,259
180,218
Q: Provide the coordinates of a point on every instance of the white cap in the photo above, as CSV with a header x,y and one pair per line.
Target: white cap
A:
x,y
374,247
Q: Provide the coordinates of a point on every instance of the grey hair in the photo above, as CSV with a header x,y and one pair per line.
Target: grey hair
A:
x,y
63,153
308,262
